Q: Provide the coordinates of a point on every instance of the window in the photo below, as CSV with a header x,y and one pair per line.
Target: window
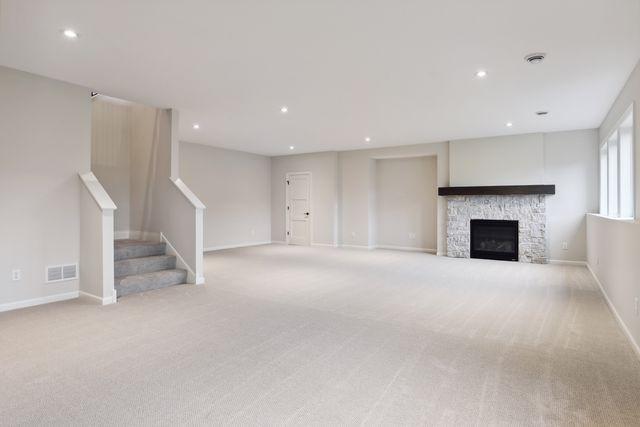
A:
x,y
616,170
603,179
625,170
612,164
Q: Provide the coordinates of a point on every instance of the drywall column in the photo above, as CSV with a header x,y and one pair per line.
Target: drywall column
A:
x,y
356,198
96,241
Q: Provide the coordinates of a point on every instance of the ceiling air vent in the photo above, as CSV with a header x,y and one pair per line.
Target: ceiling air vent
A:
x,y
535,58
59,273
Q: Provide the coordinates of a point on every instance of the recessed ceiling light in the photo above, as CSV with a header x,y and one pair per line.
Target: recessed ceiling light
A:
x,y
541,113
535,58
509,124
291,147
481,74
367,139
196,126
70,34
284,109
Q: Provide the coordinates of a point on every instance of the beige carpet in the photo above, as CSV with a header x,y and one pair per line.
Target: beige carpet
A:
x,y
320,336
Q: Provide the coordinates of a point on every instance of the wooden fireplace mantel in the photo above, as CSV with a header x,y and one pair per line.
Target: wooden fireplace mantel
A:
x,y
497,190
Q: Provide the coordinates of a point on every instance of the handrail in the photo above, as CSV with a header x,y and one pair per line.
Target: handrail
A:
x,y
188,194
97,191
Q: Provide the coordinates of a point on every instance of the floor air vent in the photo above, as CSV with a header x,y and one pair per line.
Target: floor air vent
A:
x,y
58,273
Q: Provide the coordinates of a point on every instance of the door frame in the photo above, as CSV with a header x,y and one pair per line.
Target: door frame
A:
x,y
286,204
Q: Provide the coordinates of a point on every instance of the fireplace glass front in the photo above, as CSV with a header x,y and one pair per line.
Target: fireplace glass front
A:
x,y
494,239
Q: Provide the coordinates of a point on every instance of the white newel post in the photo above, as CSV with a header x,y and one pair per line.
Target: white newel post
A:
x,y
96,241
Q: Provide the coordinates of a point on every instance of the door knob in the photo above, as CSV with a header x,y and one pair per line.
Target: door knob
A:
x,y
306,213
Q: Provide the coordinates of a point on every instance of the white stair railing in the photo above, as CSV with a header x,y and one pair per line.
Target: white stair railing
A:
x,y
96,241
182,228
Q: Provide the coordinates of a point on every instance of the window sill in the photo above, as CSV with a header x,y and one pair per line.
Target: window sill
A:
x,y
613,218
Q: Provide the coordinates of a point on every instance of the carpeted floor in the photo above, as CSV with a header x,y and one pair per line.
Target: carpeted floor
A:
x,y
321,336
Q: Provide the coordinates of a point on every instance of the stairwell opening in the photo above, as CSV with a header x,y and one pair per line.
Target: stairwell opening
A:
x,y
127,158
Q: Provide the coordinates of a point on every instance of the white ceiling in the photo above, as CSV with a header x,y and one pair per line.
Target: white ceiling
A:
x,y
399,71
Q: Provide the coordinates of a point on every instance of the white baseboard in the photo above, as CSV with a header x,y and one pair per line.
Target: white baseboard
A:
x,y
278,242
38,301
567,262
406,248
101,301
240,245
368,248
623,326
180,262
326,245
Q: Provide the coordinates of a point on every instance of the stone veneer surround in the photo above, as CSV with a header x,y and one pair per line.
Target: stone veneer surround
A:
x,y
528,210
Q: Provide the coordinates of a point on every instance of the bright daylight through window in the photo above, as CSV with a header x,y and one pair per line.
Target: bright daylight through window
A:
x,y
616,170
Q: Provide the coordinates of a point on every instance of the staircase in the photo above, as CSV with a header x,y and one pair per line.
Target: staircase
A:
x,y
142,266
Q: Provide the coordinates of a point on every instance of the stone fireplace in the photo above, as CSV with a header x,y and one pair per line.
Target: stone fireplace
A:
x,y
526,210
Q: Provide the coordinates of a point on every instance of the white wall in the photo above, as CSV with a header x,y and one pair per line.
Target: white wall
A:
x,y
144,125
344,192
497,161
614,248
324,189
406,203
357,190
45,140
356,199
121,158
236,188
571,163
614,245
110,153
566,159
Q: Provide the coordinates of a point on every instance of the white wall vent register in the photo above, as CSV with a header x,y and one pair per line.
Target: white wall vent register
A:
x,y
59,273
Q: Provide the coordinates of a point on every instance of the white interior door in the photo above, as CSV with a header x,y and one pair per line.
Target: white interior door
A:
x,y
299,208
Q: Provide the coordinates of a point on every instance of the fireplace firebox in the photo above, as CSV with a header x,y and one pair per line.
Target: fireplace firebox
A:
x,y
494,239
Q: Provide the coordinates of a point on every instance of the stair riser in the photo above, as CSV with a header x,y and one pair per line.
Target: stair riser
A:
x,y
132,266
138,251
134,284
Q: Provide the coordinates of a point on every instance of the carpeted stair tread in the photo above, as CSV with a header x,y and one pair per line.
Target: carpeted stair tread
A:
x,y
128,248
126,285
132,266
